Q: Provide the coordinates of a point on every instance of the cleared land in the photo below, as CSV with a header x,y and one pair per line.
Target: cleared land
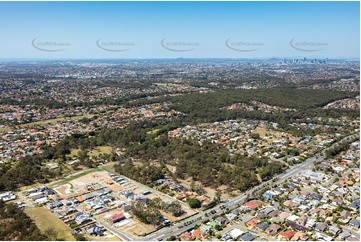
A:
x,y
75,176
273,135
44,219
5,129
99,150
108,237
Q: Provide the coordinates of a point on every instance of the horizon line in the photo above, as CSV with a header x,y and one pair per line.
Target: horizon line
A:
x,y
186,58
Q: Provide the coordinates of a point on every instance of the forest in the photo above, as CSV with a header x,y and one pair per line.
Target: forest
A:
x,y
207,107
208,163
188,157
16,225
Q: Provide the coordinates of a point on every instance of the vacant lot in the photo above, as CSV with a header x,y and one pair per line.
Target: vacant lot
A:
x,y
270,133
44,219
75,176
78,184
5,129
108,237
100,150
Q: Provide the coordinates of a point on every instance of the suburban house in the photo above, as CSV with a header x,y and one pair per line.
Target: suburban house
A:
x,y
117,217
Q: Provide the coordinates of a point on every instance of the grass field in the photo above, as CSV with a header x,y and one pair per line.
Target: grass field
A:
x,y
44,219
24,188
95,152
109,237
5,129
154,131
263,132
101,150
74,152
70,178
52,120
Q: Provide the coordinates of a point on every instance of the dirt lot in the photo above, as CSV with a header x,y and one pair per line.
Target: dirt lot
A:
x,y
138,228
132,225
96,179
64,190
93,178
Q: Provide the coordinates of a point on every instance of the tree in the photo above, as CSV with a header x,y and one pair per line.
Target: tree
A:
x,y
255,135
172,238
80,237
51,234
147,215
18,226
193,202
175,208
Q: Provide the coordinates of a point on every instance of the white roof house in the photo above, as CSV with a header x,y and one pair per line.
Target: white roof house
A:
x,y
235,233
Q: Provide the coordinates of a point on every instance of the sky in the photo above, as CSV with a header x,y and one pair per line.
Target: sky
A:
x,y
83,30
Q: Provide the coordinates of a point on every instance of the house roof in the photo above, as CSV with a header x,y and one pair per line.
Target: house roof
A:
x,y
235,233
213,223
355,223
253,222
345,235
296,226
205,228
352,238
345,214
298,236
268,210
80,198
321,226
251,205
284,215
287,234
262,226
95,229
198,233
275,213
247,237
117,217
221,219
186,236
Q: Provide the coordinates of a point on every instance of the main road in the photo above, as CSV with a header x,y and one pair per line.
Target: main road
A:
x,y
199,218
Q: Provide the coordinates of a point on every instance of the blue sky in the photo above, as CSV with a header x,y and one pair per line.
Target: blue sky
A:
x,y
255,29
